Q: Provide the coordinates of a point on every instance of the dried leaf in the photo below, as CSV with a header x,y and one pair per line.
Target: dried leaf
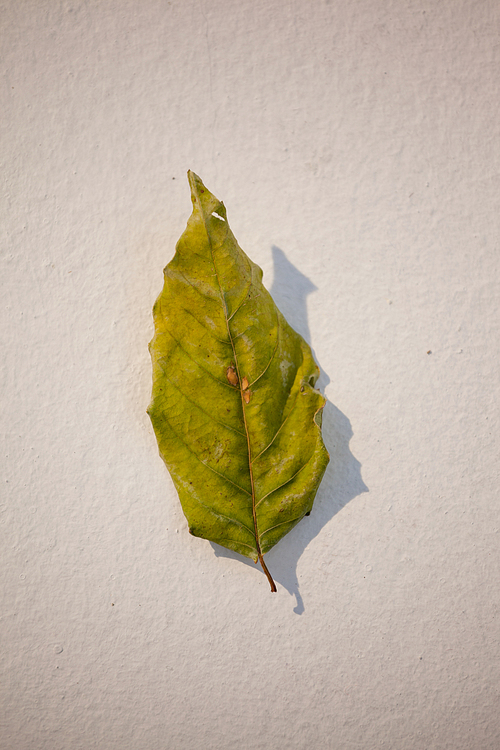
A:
x,y
246,461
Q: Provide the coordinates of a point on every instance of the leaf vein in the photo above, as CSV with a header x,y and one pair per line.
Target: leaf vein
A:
x,y
179,389
281,524
278,430
172,272
241,303
190,312
287,481
228,518
223,298
274,352
218,473
221,382
238,542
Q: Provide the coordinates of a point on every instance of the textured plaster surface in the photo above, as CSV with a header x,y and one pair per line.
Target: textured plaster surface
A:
x,y
357,148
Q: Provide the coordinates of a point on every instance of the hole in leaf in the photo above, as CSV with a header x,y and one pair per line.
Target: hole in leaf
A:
x,y
217,216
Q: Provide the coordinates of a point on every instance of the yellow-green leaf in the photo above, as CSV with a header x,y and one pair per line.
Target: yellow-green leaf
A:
x,y
234,408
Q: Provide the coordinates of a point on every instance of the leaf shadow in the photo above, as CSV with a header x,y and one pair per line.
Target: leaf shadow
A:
x,y
342,481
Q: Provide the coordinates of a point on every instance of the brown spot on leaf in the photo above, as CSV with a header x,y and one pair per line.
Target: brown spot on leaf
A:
x,y
246,396
231,375
244,384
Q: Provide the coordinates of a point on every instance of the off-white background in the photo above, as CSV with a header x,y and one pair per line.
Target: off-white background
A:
x,y
360,140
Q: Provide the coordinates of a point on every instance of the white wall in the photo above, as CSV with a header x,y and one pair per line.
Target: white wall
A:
x,y
360,139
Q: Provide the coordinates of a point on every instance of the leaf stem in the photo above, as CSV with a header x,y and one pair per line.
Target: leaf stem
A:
x,y
268,574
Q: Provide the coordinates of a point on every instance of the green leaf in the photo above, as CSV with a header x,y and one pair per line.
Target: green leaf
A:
x,y
234,408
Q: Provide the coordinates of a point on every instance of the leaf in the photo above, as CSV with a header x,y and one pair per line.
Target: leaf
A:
x,y
234,409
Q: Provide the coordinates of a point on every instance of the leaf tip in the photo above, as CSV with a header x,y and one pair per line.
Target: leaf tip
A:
x,y
195,183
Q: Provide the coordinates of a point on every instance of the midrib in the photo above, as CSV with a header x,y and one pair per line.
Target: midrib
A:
x,y
243,404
